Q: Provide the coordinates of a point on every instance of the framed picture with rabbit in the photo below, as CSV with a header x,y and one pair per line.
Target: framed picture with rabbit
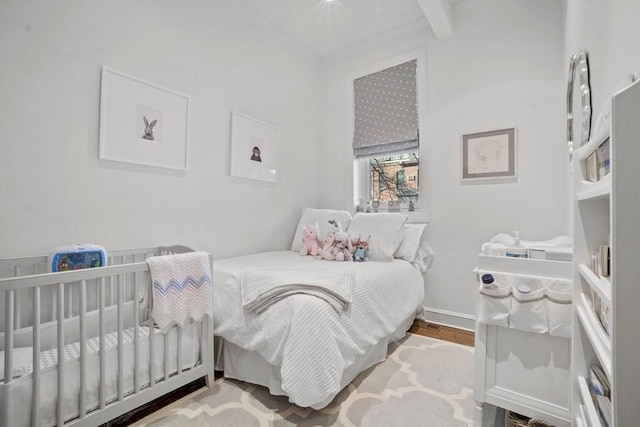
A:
x,y
142,123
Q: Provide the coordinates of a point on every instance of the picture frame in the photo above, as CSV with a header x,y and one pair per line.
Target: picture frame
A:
x,y
490,155
254,148
142,123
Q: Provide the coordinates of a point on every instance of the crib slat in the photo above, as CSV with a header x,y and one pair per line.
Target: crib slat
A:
x,y
54,303
17,272
152,340
35,399
69,295
111,290
82,409
101,296
179,358
8,336
120,340
166,356
136,339
60,397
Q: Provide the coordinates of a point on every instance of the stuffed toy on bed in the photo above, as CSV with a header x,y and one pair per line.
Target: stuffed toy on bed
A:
x,y
327,247
361,247
337,244
311,240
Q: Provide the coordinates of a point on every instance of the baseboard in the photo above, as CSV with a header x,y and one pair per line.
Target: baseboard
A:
x,y
448,318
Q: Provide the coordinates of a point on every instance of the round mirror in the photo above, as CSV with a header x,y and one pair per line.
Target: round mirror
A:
x,y
578,100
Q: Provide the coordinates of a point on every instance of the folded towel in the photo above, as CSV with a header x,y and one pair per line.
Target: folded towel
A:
x,y
263,287
182,288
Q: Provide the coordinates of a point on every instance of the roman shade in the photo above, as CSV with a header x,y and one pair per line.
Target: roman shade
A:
x,y
386,113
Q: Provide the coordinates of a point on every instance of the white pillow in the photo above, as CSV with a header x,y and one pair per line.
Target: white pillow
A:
x,y
322,216
22,361
414,247
385,231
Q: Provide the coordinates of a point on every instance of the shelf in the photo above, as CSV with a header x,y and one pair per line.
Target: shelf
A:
x,y
601,285
588,190
597,336
580,421
590,411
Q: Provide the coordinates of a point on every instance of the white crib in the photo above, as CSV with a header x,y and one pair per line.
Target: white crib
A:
x,y
96,321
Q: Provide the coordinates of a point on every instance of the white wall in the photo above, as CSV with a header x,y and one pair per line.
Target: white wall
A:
x,y
609,32
53,188
503,67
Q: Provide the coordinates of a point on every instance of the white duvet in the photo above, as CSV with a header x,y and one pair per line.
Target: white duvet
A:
x,y
310,342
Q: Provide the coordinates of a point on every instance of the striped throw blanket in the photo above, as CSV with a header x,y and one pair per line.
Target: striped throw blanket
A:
x,y
182,288
263,287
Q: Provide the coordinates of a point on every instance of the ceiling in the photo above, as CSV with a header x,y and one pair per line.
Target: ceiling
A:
x,y
325,27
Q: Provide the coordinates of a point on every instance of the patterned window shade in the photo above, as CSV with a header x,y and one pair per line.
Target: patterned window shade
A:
x,y
386,112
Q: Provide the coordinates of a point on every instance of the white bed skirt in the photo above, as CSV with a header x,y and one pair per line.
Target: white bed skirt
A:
x,y
249,366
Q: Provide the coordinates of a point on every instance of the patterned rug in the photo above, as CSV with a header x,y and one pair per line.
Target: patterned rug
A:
x,y
423,381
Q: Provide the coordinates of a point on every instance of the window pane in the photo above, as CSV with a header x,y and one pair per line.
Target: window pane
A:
x,y
395,178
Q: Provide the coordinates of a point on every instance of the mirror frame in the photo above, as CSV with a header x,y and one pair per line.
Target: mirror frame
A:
x,y
579,64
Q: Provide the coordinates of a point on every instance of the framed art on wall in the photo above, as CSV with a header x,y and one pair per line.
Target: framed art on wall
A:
x,y
142,123
489,155
254,148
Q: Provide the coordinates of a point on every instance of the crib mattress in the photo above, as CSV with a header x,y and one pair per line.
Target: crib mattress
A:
x,y
304,337
18,393
49,358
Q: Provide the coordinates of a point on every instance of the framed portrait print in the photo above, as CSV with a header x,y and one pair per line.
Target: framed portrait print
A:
x,y
489,155
142,123
254,148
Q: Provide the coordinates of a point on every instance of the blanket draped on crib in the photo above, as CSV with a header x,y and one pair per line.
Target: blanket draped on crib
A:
x,y
182,288
262,288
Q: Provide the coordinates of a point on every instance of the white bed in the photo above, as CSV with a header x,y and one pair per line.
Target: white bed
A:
x,y
301,347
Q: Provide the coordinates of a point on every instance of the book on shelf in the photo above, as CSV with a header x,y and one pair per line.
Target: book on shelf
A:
x,y
598,164
601,261
591,166
604,158
600,390
598,381
600,309
603,404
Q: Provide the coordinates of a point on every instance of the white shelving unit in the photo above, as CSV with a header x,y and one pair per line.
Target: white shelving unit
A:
x,y
608,212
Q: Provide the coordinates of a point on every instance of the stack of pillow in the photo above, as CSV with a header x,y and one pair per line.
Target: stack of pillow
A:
x,y
391,236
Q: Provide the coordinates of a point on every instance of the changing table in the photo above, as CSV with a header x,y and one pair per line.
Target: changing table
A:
x,y
525,371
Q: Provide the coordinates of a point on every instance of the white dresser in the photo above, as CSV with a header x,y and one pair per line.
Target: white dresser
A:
x,y
518,370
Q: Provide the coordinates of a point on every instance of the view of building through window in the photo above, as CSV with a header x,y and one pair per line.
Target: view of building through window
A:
x,y
394,177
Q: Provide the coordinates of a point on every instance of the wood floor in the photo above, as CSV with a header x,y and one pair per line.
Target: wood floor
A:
x,y
419,327
445,333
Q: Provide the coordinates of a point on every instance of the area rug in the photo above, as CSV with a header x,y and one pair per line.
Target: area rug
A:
x,y
423,382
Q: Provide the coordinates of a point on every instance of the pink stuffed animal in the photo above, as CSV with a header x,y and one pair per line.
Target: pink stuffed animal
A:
x,y
337,246
310,239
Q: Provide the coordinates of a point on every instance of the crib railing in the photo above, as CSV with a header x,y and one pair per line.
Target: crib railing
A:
x,y
22,308
121,293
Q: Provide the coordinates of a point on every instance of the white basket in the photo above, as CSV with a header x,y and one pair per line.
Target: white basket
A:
x,y
494,305
559,296
529,310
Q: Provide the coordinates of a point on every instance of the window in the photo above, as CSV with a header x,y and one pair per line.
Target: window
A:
x,y
386,137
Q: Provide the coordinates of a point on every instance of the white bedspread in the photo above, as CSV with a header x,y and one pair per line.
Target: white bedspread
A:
x,y
310,342
263,287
